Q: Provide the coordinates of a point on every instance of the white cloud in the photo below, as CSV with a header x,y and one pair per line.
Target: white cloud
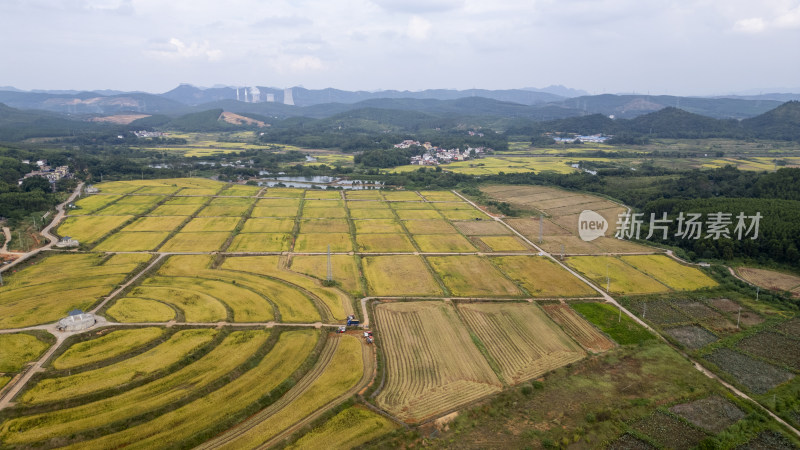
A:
x,y
789,19
179,50
752,25
306,64
418,28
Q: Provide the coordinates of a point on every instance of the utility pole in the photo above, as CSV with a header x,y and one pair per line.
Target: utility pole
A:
x,y
1,278
541,227
757,289
330,268
619,319
739,317
608,280
644,312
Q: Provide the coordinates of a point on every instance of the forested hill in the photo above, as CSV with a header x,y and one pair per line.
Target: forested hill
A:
x,y
782,123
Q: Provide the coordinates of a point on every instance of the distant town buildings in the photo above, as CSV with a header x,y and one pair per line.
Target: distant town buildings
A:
x,y
45,171
149,134
595,138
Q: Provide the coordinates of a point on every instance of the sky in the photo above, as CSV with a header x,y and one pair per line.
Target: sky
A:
x,y
676,47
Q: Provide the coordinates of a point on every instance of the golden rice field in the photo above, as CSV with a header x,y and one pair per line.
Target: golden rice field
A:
x,y
343,267
520,339
670,272
89,229
432,364
383,242
109,345
18,349
131,309
135,241
399,276
319,242
260,242
92,203
623,278
195,242
163,223
350,428
443,243
47,290
536,274
472,276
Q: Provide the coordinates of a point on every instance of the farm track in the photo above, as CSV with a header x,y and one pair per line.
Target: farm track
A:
x,y
296,391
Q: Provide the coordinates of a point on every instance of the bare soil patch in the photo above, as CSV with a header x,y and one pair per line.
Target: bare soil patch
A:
x,y
713,413
691,336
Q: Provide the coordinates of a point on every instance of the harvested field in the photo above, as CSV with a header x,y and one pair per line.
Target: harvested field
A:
x,y
624,278
712,414
381,243
536,275
613,245
334,213
431,226
791,327
211,224
431,362
195,242
350,428
628,442
691,336
324,226
578,328
444,243
107,346
268,226
702,313
418,214
748,317
755,375
658,311
505,244
482,228
135,241
670,272
260,242
378,226
770,279
164,223
345,270
389,275
130,309
18,349
319,242
774,347
47,290
472,276
529,227
669,432
521,340
88,229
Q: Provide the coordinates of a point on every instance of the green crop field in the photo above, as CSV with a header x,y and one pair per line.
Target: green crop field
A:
x,y
88,229
131,309
400,275
472,276
49,289
444,243
541,277
18,349
107,346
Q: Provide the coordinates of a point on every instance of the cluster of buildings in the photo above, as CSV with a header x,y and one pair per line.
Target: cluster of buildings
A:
x,y
437,155
147,134
52,174
594,138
